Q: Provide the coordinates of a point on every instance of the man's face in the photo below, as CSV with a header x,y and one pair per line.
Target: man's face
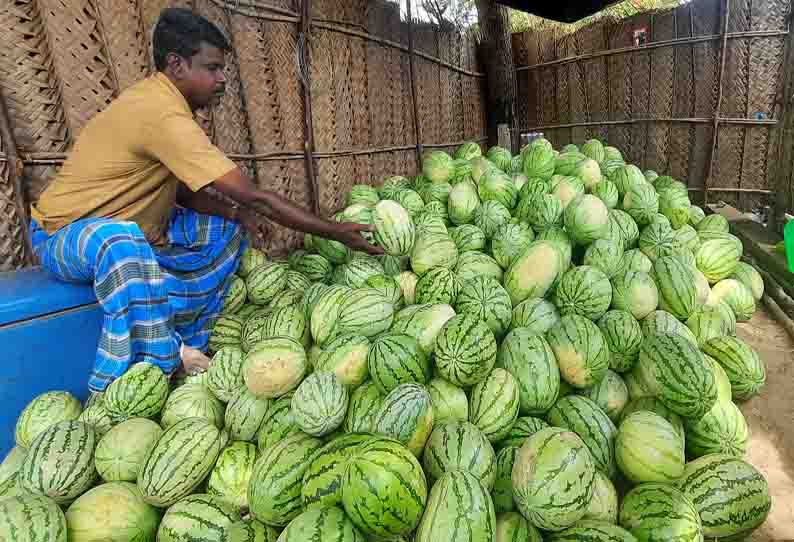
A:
x,y
202,77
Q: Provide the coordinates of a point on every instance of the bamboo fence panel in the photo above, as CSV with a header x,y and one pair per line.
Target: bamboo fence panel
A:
x,y
660,103
62,61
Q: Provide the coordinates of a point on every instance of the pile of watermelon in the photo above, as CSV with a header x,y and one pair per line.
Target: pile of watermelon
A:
x,y
546,351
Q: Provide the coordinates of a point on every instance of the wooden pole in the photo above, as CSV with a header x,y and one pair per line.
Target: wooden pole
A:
x,y
15,175
726,12
308,125
414,96
785,142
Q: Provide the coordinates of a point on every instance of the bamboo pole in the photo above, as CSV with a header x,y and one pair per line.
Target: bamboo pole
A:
x,y
414,97
693,120
784,148
304,71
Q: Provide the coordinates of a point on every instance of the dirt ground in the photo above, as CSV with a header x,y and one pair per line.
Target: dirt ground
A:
x,y
771,421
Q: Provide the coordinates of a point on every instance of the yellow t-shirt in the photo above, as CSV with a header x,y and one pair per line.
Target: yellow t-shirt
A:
x,y
127,159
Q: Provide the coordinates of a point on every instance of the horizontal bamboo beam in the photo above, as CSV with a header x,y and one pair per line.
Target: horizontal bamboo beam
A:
x,y
656,45
709,120
732,190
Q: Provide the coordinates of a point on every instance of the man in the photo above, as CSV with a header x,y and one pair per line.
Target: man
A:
x,y
110,217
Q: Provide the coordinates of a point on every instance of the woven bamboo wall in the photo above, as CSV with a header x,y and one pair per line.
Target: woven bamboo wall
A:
x,y
658,103
62,61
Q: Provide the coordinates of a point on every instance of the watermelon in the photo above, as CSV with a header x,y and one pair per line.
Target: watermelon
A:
x,y
538,162
622,226
686,236
713,223
487,299
408,282
534,271
392,184
31,518
274,491
436,192
98,417
231,475
718,258
537,315
468,151
43,412
522,429
384,491
274,367
467,237
251,530
406,415
751,278
396,358
610,166
656,512
591,529
674,204
250,260
356,272
676,283
121,453
139,393
605,255
665,323
476,264
586,219
654,405
225,374
513,527
235,295
460,445
496,185
245,414
611,395
463,202
279,423
626,177
290,297
324,313
567,163
389,287
346,358
437,166
253,329
696,214
319,404
265,281
553,479
394,230
745,369
604,506
584,291
114,511
59,462
591,424
594,149
423,323
635,260
490,216
679,374
9,473
364,403
465,351
326,523
333,251
567,189
541,211
433,250
510,241
362,193
581,351
502,492
530,359
438,285
500,157
623,336
730,495
493,404
736,295
459,508
432,219
322,482
607,192
449,401
723,430
198,517
314,267
364,311
708,322
410,200
534,187
648,448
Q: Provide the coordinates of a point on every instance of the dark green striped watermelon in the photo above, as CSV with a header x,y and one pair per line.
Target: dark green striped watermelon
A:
x,y
226,331
250,260
235,295
487,299
676,283
314,267
654,405
465,350
476,264
265,281
43,412
244,415
438,285
581,351
322,483
494,403
251,531
278,424
502,492
459,446
406,415
31,518
139,393
225,374
593,530
396,358
198,517
623,336
723,430
522,429
513,527
326,523
364,402
537,315
657,512
365,312
585,291
745,369
192,401
509,241
529,358
468,237
611,395
319,404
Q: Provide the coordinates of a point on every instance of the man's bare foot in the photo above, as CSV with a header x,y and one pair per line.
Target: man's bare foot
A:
x,y
194,361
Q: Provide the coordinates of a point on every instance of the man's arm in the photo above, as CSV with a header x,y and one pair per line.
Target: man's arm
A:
x,y
203,202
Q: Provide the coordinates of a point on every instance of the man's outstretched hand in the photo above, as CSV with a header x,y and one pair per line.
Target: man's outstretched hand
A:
x,y
255,225
350,234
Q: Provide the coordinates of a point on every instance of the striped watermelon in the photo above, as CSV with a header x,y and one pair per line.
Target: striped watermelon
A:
x,y
538,161
225,375
715,223
396,358
198,517
662,322
265,281
607,192
586,219
751,278
327,523
114,511
502,492
179,461
566,188
605,255
410,200
460,446
251,531
654,405
345,357
467,238
254,328
98,417
250,260
496,185
537,315
604,506
319,404
676,282
227,331
524,428
541,211
192,401
459,508
709,321
322,482
364,312
438,285
389,287
718,258
121,453
391,184
623,336
530,359
235,295
394,230
635,260
333,251
721,377
356,272
723,430
513,527
43,412
289,298
364,402
406,415
611,395
60,462
626,177
468,151
449,401
637,384
31,518
585,291
745,369
485,298
9,473
586,419
657,512
534,271
623,226
510,241
384,491
581,351
641,202
424,323
231,474
736,295
274,367
436,192
278,425
591,529
657,240
465,350
687,237
463,202
679,374
648,448
362,193
476,264
274,492
553,479
674,204
730,495
314,267
493,404
325,313
696,214
287,322
244,415
489,216
139,393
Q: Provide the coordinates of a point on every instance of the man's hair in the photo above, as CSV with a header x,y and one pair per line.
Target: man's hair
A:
x,y
182,32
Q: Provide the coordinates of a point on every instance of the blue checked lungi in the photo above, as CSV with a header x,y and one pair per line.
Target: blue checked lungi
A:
x,y
154,298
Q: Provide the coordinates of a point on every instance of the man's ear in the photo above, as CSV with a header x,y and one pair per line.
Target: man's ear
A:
x,y
176,65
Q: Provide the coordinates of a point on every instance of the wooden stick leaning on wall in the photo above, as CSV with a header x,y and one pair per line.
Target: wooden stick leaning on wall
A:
x,y
304,73
414,102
